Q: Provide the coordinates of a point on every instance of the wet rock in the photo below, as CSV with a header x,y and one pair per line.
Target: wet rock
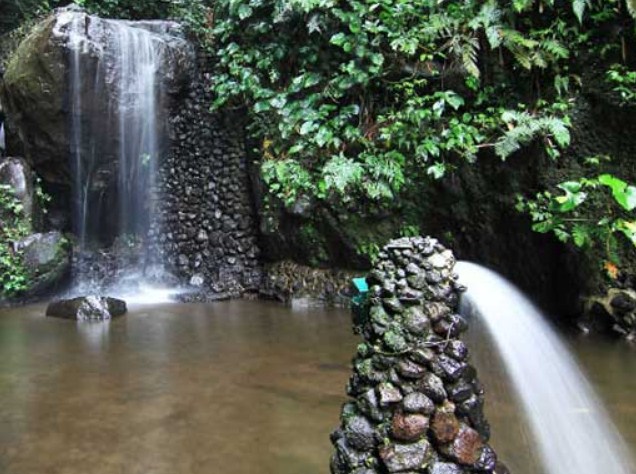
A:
x,y
16,173
469,449
405,457
452,370
197,280
408,427
417,402
389,394
418,281
87,308
47,260
460,391
457,350
360,433
445,468
445,427
393,305
433,387
346,457
410,370
623,302
368,404
416,321
395,342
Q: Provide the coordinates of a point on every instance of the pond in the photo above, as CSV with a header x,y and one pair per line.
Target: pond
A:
x,y
238,387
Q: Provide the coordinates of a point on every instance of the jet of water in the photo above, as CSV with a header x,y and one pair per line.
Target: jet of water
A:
x,y
573,432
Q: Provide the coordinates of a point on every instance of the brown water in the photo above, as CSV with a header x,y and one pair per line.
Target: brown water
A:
x,y
234,388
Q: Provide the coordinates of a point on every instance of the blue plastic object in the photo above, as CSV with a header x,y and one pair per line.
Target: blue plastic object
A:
x,y
360,284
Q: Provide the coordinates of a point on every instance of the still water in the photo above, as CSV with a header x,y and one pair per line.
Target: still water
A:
x,y
235,387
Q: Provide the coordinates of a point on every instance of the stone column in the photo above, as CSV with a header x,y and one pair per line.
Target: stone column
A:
x,y
417,405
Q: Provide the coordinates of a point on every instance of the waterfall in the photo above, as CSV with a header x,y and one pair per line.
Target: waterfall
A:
x,y
572,430
117,134
138,101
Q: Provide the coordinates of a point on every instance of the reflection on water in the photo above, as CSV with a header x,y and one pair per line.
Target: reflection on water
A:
x,y
234,387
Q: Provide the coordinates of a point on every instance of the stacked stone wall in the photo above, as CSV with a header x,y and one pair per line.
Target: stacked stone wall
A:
x,y
417,404
206,230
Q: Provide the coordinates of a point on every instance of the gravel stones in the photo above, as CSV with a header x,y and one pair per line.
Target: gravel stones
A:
x,y
418,403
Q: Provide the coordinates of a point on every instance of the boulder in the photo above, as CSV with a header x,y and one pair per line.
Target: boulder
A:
x,y
87,308
16,173
36,90
47,260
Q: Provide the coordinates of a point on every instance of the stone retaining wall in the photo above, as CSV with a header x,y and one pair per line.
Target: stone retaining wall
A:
x,y
206,231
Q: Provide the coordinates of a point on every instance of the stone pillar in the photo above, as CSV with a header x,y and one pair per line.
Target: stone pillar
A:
x,y
417,405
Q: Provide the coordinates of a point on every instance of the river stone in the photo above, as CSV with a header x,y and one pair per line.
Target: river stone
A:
x,y
87,308
346,457
408,427
457,350
416,321
405,457
410,370
360,433
418,281
445,468
445,427
467,449
452,370
417,402
461,391
433,387
389,394
393,305
368,404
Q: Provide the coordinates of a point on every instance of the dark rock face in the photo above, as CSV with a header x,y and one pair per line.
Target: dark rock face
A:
x,y
615,311
87,308
206,230
35,92
417,402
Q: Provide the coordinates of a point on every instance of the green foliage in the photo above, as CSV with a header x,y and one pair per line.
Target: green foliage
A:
x,y
13,228
368,98
589,212
523,128
370,250
623,82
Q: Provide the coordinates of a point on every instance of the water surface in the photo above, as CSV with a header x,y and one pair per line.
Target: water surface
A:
x,y
235,387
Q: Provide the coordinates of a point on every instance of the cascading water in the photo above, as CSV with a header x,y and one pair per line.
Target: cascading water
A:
x,y
118,126
573,432
139,100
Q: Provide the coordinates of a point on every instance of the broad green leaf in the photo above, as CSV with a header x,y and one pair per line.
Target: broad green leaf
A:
x,y
624,194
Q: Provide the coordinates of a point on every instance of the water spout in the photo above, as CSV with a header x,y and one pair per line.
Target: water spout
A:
x,y
572,430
